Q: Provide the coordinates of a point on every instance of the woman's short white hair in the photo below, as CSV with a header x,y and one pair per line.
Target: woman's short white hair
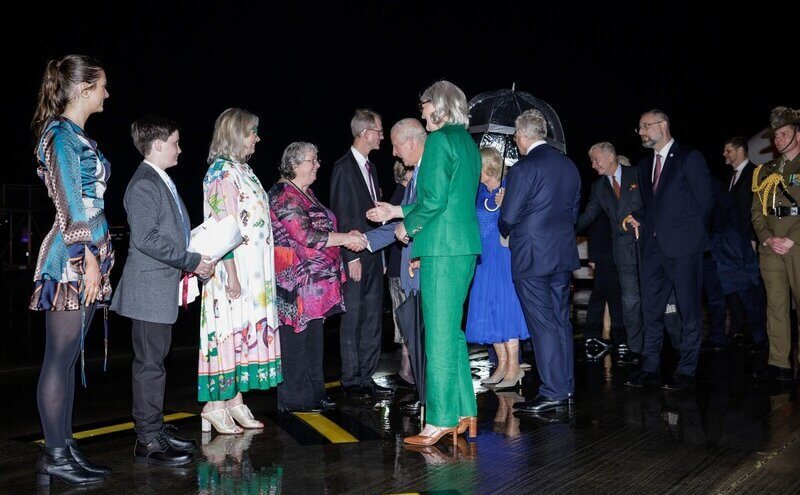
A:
x,y
449,103
531,124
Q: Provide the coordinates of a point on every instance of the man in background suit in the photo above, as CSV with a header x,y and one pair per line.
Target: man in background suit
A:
x,y
616,193
354,190
539,211
676,188
148,290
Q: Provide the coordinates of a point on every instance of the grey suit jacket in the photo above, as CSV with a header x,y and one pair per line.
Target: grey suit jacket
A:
x,y
602,199
148,289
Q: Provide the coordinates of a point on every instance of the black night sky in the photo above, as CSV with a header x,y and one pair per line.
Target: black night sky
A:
x,y
303,68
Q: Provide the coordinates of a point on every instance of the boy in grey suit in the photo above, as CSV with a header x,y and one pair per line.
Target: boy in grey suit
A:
x,y
148,290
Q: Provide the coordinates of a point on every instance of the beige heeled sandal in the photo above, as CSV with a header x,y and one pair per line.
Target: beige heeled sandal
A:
x,y
241,413
222,421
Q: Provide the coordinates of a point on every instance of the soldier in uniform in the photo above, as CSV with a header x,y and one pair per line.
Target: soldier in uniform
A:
x,y
776,220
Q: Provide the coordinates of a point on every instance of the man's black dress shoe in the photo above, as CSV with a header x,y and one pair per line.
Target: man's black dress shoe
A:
x,y
776,373
379,391
642,379
679,383
403,383
541,404
170,433
85,463
160,452
354,391
629,359
709,346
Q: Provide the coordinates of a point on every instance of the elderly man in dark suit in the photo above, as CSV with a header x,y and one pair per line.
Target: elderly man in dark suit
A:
x,y
539,212
354,190
616,193
676,188
148,290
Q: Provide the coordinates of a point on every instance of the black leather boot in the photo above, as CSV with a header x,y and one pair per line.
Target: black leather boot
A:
x,y
85,463
57,462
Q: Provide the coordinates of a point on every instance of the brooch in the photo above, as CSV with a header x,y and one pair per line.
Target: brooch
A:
x,y
633,187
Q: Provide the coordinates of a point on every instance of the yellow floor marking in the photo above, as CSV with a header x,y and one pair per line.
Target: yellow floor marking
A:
x,y
326,427
120,427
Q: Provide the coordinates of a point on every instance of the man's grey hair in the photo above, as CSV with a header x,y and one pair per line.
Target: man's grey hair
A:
x,y
531,124
363,119
660,114
604,146
409,128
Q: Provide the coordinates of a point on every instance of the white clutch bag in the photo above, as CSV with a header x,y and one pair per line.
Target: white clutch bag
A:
x,y
215,239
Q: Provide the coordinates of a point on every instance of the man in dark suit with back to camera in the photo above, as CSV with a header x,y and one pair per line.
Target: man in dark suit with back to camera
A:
x,y
678,200
148,290
538,214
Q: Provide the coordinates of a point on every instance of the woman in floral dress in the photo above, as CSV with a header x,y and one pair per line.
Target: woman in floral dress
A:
x,y
239,342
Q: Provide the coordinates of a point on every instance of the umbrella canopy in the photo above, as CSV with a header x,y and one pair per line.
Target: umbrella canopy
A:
x,y
492,115
409,319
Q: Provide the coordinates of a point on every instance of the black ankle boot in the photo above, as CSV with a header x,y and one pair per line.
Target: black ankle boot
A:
x,y
85,463
57,462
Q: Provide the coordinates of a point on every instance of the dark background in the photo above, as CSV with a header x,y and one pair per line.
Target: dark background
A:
x,y
303,68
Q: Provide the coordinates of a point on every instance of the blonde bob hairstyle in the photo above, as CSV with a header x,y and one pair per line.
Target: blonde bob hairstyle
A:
x,y
492,162
449,104
232,127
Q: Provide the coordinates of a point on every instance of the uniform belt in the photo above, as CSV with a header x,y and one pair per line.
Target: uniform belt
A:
x,y
784,211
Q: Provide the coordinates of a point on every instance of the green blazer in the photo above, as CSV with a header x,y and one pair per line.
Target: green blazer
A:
x,y
443,221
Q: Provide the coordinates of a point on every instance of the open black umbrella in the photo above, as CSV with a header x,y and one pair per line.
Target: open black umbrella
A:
x,y
492,115
409,319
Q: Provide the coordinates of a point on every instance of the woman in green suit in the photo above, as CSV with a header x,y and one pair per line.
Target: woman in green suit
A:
x,y
444,226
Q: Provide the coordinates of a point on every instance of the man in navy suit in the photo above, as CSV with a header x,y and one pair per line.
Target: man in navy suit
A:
x,y
678,200
539,211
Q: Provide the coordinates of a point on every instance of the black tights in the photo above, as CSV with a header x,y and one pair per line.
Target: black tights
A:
x,y
56,391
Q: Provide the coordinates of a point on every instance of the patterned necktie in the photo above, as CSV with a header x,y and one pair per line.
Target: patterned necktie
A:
x,y
615,185
370,185
657,174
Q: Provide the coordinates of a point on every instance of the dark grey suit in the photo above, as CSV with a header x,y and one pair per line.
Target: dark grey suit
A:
x,y
603,200
148,290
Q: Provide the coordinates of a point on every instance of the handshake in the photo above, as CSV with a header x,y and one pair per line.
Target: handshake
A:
x,y
355,241
205,269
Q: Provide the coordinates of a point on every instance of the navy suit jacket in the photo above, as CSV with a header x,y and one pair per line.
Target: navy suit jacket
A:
x,y
679,212
383,236
602,199
539,212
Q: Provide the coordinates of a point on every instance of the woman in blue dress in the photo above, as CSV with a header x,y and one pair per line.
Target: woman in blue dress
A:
x,y
495,315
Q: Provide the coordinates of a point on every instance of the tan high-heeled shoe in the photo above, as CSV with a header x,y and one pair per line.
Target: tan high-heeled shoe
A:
x,y
241,413
430,440
222,421
511,382
468,423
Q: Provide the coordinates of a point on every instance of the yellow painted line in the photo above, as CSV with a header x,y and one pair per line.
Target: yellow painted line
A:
x,y
335,384
105,430
326,427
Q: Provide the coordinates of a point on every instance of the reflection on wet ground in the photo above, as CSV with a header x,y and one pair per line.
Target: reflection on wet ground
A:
x,y
730,435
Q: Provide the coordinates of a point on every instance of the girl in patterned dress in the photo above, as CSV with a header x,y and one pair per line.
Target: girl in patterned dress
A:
x,y
239,343
75,259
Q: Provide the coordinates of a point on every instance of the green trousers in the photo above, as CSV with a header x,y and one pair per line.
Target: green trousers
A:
x,y
444,282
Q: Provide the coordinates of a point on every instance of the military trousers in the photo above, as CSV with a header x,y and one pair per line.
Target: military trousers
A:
x,y
781,274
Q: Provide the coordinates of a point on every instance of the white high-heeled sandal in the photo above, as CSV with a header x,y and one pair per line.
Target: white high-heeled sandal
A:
x,y
222,421
241,413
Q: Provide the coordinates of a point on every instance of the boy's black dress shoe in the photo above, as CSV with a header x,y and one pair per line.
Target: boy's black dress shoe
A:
x,y
160,452
169,431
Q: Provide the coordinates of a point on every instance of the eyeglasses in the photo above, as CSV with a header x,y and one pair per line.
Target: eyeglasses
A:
x,y
422,104
312,160
643,127
379,131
